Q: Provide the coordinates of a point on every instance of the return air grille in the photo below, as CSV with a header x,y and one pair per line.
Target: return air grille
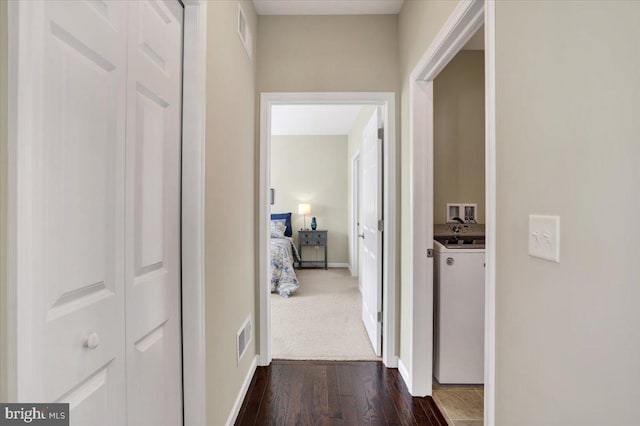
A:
x,y
243,338
244,32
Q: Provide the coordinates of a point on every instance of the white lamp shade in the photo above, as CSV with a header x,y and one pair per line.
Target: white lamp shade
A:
x,y
304,208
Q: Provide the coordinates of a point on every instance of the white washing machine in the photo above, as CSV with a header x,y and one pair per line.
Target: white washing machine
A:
x,y
459,310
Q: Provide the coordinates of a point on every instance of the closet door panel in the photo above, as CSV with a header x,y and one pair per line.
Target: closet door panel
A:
x,y
71,195
153,286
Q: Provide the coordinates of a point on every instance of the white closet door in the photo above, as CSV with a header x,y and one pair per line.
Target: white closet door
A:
x,y
153,318
372,247
70,203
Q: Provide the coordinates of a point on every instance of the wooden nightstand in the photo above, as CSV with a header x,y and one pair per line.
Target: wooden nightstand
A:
x,y
312,238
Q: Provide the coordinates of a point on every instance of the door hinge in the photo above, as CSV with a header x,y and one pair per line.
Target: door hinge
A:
x,y
379,316
381,134
429,253
381,225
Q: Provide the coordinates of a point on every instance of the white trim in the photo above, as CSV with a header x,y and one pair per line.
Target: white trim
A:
x,y
337,265
4,166
387,101
354,267
461,25
193,213
420,329
264,307
491,166
404,373
233,415
465,20
12,213
193,127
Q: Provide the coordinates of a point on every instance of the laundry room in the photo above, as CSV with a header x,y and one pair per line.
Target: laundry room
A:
x,y
459,234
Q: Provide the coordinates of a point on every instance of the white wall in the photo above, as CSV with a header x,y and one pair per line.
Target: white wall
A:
x,y
458,135
230,279
313,169
568,103
355,146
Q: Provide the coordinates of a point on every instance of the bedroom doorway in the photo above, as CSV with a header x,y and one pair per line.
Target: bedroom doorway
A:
x,y
311,307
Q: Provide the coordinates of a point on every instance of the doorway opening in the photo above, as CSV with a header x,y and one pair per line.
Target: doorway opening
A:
x,y
305,183
418,368
459,233
316,305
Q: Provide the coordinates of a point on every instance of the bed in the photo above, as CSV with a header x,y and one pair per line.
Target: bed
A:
x,y
284,254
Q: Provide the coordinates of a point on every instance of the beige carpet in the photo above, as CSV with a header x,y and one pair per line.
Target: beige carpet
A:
x,y
321,320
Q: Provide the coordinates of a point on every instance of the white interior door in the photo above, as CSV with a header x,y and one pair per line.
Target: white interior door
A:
x,y
355,220
98,209
372,247
153,338
70,205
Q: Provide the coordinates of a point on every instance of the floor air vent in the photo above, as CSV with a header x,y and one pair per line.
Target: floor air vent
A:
x,y
243,338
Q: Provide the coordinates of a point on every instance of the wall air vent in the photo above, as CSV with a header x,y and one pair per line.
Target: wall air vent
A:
x,y
244,32
243,338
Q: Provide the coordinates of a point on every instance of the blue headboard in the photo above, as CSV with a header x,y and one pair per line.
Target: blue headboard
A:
x,y
287,221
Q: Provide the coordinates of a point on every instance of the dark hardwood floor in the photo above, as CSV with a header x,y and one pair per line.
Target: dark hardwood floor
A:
x,y
333,393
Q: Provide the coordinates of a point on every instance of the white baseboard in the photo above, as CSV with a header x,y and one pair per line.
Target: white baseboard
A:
x,y
392,362
354,273
337,265
233,416
404,373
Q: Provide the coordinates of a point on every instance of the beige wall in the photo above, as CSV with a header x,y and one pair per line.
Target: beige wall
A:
x,y
355,146
568,99
229,205
3,196
419,23
313,169
458,140
328,53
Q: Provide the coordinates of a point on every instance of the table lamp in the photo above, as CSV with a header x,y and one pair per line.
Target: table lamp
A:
x,y
304,209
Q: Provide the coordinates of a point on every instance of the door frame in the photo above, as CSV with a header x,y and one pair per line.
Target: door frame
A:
x,y
355,214
386,100
464,21
192,211
194,99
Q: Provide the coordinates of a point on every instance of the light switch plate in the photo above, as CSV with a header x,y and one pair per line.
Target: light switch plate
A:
x,y
544,237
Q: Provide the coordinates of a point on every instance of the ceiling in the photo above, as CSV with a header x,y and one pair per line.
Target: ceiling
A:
x,y
328,7
313,119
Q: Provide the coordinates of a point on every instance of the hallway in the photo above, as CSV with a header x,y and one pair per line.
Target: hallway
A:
x,y
333,393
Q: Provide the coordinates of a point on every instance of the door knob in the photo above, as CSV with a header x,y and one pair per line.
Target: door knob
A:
x,y
92,341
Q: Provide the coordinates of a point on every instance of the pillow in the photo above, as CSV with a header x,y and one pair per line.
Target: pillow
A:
x,y
287,217
277,228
